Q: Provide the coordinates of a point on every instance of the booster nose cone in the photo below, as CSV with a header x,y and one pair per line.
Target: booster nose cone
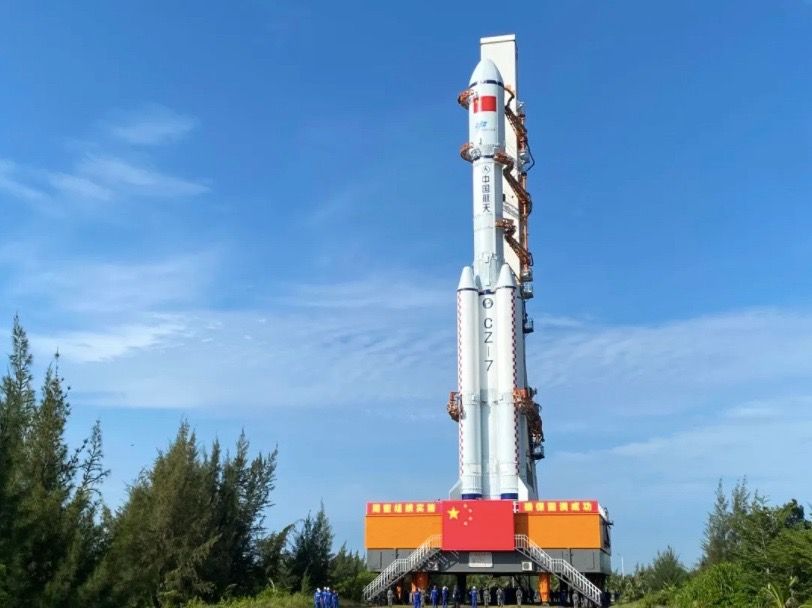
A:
x,y
467,279
505,278
486,71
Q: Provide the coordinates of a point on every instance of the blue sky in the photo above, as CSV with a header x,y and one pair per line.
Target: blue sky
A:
x,y
253,215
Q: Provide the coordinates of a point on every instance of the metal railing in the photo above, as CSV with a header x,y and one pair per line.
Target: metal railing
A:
x,y
401,567
561,568
431,547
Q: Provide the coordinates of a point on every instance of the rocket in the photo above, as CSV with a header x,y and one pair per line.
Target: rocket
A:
x,y
495,451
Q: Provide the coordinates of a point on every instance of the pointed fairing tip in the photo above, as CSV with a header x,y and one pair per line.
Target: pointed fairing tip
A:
x,y
486,71
505,278
467,279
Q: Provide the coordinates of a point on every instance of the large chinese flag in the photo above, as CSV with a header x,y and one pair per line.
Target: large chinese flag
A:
x,y
477,525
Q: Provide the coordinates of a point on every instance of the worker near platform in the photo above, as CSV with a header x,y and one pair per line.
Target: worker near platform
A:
x,y
435,595
444,596
416,597
390,596
500,597
486,596
317,598
474,596
456,597
519,596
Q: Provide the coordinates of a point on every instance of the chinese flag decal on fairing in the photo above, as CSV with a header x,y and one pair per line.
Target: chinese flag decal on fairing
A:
x,y
477,525
486,103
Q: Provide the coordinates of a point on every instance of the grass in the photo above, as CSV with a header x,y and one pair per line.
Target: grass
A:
x,y
270,597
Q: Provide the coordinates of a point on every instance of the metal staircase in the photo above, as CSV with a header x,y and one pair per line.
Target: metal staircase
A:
x,y
401,567
431,547
561,568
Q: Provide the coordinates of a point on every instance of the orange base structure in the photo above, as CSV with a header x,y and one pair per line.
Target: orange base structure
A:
x,y
461,538
551,524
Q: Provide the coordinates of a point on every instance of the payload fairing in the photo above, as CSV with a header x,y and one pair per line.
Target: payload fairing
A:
x,y
493,405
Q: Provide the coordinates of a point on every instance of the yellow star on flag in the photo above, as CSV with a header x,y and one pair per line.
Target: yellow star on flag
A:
x,y
453,513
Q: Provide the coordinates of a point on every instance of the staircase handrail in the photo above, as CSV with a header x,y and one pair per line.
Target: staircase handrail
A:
x,y
401,566
559,567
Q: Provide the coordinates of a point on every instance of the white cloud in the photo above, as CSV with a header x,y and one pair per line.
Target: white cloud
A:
x,y
119,174
372,292
11,183
80,187
107,287
679,365
109,344
106,174
152,125
336,354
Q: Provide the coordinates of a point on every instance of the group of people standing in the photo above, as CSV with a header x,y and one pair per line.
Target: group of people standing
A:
x,y
441,597
325,598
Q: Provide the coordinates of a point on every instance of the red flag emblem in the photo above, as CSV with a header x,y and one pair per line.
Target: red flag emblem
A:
x,y
486,103
477,525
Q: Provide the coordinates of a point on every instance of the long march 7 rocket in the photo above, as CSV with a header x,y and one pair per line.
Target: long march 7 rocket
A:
x,y
493,404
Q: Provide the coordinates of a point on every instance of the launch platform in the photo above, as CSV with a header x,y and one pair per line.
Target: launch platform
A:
x,y
567,538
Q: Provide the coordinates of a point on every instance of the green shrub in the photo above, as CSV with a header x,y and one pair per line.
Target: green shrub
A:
x,y
725,585
269,597
657,599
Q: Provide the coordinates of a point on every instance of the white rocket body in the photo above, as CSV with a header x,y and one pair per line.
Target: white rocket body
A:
x,y
490,338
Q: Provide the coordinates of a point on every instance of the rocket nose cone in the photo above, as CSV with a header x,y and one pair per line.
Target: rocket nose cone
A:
x,y
486,70
467,279
505,278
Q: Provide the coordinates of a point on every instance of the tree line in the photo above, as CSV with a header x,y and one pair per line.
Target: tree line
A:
x,y
753,555
191,527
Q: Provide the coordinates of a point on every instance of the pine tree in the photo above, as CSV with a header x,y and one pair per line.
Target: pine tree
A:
x,y
716,544
16,411
273,557
346,568
49,470
47,523
310,555
86,530
665,571
190,528
241,496
163,533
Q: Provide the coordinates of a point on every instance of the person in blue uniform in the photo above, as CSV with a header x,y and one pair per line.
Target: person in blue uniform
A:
x,y
474,597
444,596
326,598
416,597
317,598
435,595
335,599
